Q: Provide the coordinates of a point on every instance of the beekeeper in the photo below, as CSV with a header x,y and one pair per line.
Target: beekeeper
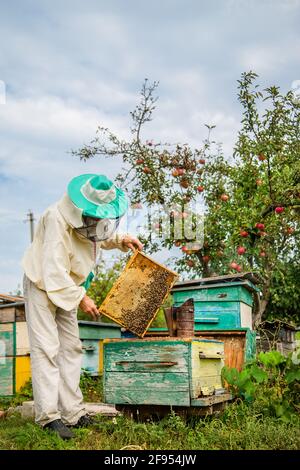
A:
x,y
58,267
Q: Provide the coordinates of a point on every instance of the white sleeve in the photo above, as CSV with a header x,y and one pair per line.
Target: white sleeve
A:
x,y
115,241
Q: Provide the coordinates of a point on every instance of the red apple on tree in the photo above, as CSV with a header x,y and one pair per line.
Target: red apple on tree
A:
x,y
290,230
241,250
139,161
244,234
260,226
279,209
202,161
177,243
184,248
259,182
184,183
190,263
147,170
233,265
224,197
200,189
261,157
175,173
262,254
206,259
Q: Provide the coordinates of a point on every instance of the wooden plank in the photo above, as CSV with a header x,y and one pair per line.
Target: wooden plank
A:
x,y
7,339
227,278
250,349
90,357
101,357
7,315
246,316
146,355
11,298
167,381
6,376
205,385
20,314
152,397
205,374
207,401
22,347
98,332
23,371
222,293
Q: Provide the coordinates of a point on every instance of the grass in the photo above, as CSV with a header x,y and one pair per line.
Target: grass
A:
x,y
236,429
240,427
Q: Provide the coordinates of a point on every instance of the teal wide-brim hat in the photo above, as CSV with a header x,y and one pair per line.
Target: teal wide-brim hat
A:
x,y
97,196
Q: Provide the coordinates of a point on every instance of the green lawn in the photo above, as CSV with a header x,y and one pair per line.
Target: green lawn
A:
x,y
239,427
235,429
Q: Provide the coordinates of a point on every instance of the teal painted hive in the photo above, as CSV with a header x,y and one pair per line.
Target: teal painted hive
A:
x,y
163,371
92,335
219,305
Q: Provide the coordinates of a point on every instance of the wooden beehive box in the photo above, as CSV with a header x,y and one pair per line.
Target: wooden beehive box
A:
x,y
92,335
14,346
168,371
138,293
221,303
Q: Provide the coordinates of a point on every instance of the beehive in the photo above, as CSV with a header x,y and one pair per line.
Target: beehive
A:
x,y
138,293
218,305
163,371
14,352
92,335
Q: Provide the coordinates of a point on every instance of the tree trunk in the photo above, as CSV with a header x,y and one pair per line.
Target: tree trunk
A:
x,y
260,303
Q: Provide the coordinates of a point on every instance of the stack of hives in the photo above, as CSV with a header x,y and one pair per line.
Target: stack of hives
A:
x,y
223,311
14,345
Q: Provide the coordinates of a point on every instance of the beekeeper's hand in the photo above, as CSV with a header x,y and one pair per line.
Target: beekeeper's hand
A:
x,y
88,306
132,242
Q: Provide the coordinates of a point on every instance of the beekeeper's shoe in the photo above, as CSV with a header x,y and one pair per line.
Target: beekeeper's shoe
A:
x,y
60,429
84,422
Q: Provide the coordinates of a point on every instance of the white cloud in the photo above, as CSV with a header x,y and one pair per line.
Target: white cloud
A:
x,y
70,66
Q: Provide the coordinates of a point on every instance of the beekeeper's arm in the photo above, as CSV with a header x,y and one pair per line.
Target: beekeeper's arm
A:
x,y
122,241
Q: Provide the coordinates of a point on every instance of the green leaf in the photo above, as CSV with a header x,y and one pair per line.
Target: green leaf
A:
x,y
292,375
259,374
271,358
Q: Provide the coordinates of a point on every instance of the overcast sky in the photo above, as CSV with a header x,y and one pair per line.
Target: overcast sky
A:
x,y
68,66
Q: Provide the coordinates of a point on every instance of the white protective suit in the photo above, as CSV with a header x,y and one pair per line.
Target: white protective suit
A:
x,y
56,264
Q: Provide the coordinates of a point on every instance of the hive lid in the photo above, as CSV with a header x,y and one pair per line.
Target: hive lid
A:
x,y
247,280
138,293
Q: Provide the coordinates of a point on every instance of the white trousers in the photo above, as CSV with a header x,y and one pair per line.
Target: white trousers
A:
x,y
55,355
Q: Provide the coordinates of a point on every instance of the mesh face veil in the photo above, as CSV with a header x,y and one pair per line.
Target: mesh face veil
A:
x,y
98,230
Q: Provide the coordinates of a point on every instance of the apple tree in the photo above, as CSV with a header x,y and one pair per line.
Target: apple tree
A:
x,y
251,199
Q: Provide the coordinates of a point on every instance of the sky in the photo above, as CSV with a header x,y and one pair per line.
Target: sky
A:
x,y
67,67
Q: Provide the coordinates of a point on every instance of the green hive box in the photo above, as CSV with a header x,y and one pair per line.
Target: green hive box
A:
x,y
219,305
163,371
92,335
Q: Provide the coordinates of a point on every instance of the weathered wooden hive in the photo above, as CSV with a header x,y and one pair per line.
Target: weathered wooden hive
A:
x,y
92,335
14,345
223,311
172,372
